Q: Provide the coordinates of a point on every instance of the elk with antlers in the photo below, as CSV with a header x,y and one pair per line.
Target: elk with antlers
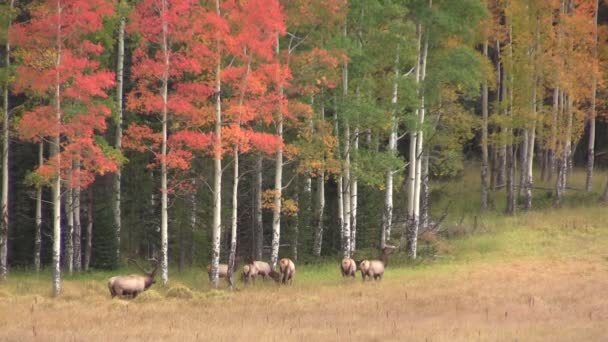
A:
x,y
375,268
133,284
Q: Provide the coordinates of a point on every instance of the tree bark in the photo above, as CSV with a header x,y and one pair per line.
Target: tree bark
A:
x,y
318,242
55,149
38,230
387,213
88,251
233,225
77,225
259,225
116,210
193,223
69,238
217,167
164,220
553,141
592,114
5,168
484,137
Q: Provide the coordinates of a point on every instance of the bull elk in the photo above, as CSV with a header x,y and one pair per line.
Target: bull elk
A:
x,y
348,267
133,284
375,268
253,269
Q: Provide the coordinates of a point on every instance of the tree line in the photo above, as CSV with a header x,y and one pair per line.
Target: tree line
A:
x,y
194,131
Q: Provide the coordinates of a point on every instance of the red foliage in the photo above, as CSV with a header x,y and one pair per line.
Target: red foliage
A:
x,y
62,56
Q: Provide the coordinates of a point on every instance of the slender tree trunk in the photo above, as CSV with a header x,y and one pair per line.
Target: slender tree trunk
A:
x,y
562,160
164,220
318,242
5,169
217,167
233,225
484,137
77,225
387,214
424,193
346,247
510,155
412,218
116,211
529,177
55,148
340,177
69,238
88,251
605,194
38,231
259,225
553,140
592,114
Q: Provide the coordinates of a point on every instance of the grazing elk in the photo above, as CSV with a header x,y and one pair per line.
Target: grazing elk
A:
x,y
348,267
253,269
133,284
375,268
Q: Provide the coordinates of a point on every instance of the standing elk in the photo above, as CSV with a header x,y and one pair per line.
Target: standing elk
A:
x,y
288,270
375,268
222,269
133,284
348,267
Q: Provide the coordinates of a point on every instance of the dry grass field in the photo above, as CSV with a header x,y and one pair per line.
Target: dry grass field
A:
x,y
540,276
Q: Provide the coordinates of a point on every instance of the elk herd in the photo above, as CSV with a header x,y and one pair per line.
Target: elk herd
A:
x,y
134,284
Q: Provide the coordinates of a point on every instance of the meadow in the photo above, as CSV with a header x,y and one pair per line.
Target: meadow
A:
x,y
536,276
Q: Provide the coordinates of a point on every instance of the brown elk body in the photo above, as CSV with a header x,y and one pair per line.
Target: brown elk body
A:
x,y
254,269
348,267
133,284
375,268
288,270
222,269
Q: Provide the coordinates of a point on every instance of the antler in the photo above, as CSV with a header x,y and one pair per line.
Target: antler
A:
x,y
136,264
155,266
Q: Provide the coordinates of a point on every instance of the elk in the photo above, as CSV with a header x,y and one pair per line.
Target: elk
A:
x,y
256,268
348,267
222,269
288,270
375,268
133,284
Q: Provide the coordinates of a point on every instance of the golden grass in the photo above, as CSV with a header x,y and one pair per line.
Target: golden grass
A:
x,y
538,276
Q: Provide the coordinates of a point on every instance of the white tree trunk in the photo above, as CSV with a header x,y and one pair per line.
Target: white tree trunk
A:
x,y
259,224
164,220
318,242
529,177
5,168
118,142
412,219
345,189
387,213
54,153
278,184
592,114
217,168
69,239
77,225
233,225
38,232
